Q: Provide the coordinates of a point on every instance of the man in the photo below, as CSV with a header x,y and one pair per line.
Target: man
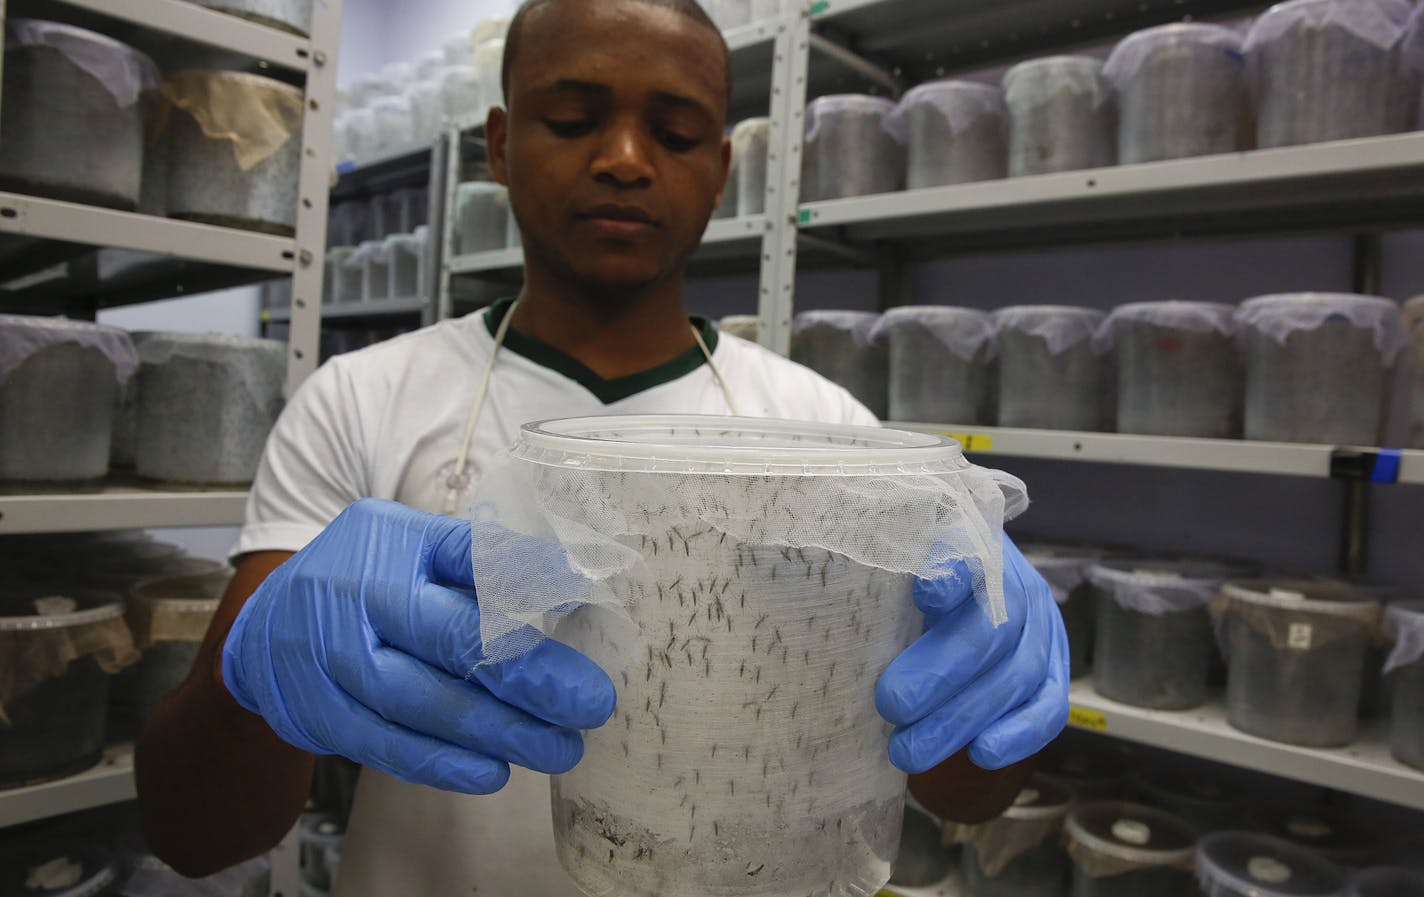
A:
x,y
612,147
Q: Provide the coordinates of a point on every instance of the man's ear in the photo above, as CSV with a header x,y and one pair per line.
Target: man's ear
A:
x,y
496,131
726,169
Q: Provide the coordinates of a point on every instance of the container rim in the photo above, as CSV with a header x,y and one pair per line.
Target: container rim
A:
x,y
95,606
1314,597
1213,871
1142,856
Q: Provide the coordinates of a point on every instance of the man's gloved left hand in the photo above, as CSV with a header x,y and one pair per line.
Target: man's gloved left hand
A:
x,y
1003,692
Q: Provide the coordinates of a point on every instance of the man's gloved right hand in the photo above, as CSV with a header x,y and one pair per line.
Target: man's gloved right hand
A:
x,y
362,644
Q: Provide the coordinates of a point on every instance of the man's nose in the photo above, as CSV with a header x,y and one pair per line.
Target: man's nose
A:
x,y
624,156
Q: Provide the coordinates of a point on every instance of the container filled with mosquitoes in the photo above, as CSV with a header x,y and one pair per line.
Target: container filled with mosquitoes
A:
x,y
1053,373
955,132
850,149
744,583
1019,854
846,348
940,363
1061,116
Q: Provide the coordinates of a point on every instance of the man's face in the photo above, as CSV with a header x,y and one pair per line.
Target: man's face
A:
x,y
612,145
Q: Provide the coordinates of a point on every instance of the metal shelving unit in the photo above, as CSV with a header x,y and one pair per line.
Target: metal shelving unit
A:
x,y
355,311
109,782
119,507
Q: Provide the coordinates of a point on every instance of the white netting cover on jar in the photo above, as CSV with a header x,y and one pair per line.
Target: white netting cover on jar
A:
x,y
861,324
1038,80
1232,864
1061,326
460,93
1404,623
1129,55
1298,615
744,583
123,71
1112,838
42,632
961,103
847,104
1378,22
425,109
258,363
23,335
747,327
1036,816
1199,317
1278,316
175,608
256,115
963,331
394,122
1064,568
1160,587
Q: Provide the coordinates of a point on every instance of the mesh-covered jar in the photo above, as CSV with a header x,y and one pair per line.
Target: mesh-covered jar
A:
x,y
1181,92
1205,802
1244,864
289,15
954,132
1295,659
841,346
1052,374
1330,70
749,155
747,327
168,617
1019,854
1405,623
940,363
481,217
1061,116
1128,850
1065,567
850,149
1318,366
426,109
1178,369
407,265
394,123
1414,321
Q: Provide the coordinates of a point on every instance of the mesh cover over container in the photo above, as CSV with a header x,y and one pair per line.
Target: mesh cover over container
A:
x,y
1018,854
1065,568
940,361
1178,369
57,651
1205,802
1414,321
1330,70
74,106
481,217
1181,92
206,405
1405,623
749,155
954,132
1387,881
744,583
1242,864
39,867
1128,850
58,383
460,93
394,123
168,617
1061,116
1153,642
1295,653
747,327
234,149
849,149
841,346
1051,371
289,15
407,253
1318,366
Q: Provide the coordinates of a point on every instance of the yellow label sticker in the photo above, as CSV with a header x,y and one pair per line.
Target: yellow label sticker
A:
x,y
1083,718
972,442
889,893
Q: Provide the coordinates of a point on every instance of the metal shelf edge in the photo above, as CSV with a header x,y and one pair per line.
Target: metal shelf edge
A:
x,y
494,260
119,508
110,782
206,26
377,309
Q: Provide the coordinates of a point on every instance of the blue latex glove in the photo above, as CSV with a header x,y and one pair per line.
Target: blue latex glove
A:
x,y
360,645
1003,692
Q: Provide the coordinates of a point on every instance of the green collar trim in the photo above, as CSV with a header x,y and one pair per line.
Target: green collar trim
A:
x,y
606,391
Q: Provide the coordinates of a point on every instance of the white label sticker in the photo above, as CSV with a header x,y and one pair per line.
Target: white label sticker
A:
x,y
1299,637
1130,831
1268,870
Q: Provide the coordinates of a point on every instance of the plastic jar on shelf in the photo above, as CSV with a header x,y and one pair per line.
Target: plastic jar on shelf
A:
x,y
289,15
374,261
1205,802
121,443
481,217
74,107
407,265
1178,369
841,346
359,127
849,148
954,132
460,94
923,859
749,153
247,176
335,284
168,617
747,327
1153,641
1387,881
940,363
206,405
1318,366
1128,850
394,123
1330,70
426,110
1065,567
58,648
59,381
1244,864
1414,321
1052,373
1061,116
48,867
1019,854
1295,659
1405,622
1181,92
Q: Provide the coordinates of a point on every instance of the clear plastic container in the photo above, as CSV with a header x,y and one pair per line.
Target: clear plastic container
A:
x,y
749,149
1052,374
1387,881
1181,92
206,405
747,327
1243,864
1414,321
1061,116
481,217
1330,70
1065,567
332,286
407,265
922,858
940,363
1405,667
1318,366
1205,802
1128,850
1178,369
841,346
849,149
1019,854
1295,653
169,618
954,132
374,264
427,110
318,833
44,867
460,94
394,123
384,216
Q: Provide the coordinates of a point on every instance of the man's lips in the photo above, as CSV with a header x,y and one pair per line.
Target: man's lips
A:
x,y
619,221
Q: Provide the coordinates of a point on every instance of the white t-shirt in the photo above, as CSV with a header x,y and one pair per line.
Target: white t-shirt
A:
x,y
386,422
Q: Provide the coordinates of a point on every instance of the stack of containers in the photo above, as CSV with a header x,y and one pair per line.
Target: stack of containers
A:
x,y
1061,116
1405,666
1181,91
850,149
940,362
1178,368
1318,366
1018,854
750,145
1295,659
1052,373
1065,567
394,122
483,222
1128,850
1241,864
954,132
841,346
1414,322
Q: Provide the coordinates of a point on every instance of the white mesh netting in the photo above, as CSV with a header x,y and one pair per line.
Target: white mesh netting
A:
x,y
1377,22
259,365
1404,622
1278,316
846,104
1159,587
1035,82
1035,817
124,72
1064,570
962,103
859,323
964,331
23,335
43,632
1061,326
1200,317
1129,55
